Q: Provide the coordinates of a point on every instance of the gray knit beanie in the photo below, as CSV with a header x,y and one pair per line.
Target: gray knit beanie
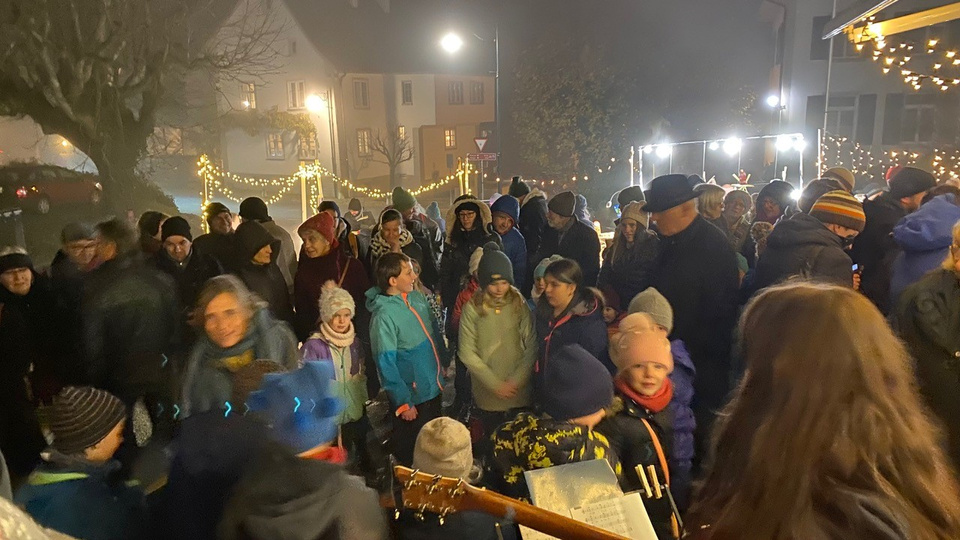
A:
x,y
81,416
443,447
654,304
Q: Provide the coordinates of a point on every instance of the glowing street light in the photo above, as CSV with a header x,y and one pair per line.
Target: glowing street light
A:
x,y
714,145
773,101
664,150
315,103
732,146
648,149
451,42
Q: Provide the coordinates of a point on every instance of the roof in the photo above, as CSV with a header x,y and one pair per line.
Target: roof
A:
x,y
405,39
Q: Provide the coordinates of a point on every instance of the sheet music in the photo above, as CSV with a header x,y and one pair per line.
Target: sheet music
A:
x,y
625,516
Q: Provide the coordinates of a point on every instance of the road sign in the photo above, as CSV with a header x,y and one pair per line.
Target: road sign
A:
x,y
481,142
488,156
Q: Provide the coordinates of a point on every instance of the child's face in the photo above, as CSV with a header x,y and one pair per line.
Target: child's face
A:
x,y
103,451
539,284
609,314
405,281
340,322
498,289
647,378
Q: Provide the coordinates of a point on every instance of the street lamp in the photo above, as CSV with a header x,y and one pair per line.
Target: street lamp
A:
x,y
451,42
315,104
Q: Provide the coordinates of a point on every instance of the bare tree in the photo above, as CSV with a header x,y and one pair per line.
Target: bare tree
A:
x,y
392,150
96,71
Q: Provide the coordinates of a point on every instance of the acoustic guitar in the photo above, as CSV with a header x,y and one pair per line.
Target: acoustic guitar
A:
x,y
441,495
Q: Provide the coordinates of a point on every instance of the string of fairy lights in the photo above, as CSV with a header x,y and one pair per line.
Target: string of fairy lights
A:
x,y
863,160
930,63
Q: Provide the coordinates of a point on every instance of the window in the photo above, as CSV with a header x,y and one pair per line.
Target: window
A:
x,y
919,118
819,47
295,99
274,146
363,142
449,138
361,96
842,116
308,146
476,93
455,93
248,95
843,48
406,91
401,132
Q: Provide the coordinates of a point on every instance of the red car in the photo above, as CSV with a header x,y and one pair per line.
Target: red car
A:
x,y
40,187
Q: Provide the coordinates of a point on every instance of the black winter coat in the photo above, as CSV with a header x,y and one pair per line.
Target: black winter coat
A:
x,y
41,339
581,324
928,320
66,283
533,221
875,249
802,246
189,277
580,243
131,319
221,247
630,272
697,273
265,280
455,265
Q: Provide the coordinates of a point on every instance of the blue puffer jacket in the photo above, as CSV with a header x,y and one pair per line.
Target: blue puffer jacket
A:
x,y
924,236
408,347
514,244
684,423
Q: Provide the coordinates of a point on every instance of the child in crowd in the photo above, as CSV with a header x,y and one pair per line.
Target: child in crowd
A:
x,y
640,413
75,490
466,293
498,344
539,284
681,456
577,390
335,341
612,310
409,350
443,447
295,487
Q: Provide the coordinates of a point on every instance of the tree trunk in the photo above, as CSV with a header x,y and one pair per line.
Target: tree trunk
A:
x,y
393,175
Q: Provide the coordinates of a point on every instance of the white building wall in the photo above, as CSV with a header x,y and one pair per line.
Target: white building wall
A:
x,y
422,112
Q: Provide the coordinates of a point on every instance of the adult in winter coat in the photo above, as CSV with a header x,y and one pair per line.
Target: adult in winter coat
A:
x,y
259,251
773,201
189,269
359,219
628,262
875,249
390,235
571,238
533,220
219,242
20,437
149,228
577,390
469,226
323,261
697,274
254,209
928,321
427,232
352,243
568,313
827,407
812,245
506,216
924,238
238,331
76,258
732,220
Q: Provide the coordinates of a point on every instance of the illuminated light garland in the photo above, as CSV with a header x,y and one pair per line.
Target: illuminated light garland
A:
x,y
863,161
900,55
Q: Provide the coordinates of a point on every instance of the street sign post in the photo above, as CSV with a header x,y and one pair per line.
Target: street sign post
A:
x,y
482,156
480,142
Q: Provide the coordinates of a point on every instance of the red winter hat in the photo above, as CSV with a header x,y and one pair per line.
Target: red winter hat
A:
x,y
322,223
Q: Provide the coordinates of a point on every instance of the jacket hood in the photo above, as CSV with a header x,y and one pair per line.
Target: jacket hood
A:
x,y
378,300
801,230
779,191
509,206
930,228
251,236
486,218
534,193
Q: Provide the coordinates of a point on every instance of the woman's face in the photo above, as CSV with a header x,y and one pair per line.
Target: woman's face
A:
x,y
225,320
498,289
733,208
314,244
467,219
558,294
628,227
17,280
770,208
390,231
340,322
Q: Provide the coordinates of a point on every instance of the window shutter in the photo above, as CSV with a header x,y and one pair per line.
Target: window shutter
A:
x,y
866,118
892,118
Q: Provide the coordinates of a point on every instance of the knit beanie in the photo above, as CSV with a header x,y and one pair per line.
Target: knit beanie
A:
x,y
846,178
563,203
494,265
322,223
77,231
254,208
575,384
15,260
628,195
81,416
814,190
637,342
403,200
355,205
433,211
651,302
518,188
329,205
909,181
214,209
333,299
300,406
541,268
635,212
175,226
474,263
840,208
443,447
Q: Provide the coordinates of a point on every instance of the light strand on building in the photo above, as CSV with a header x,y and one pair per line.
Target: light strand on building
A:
x,y
839,151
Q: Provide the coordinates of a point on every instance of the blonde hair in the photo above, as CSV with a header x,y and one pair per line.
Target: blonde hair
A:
x,y
709,198
513,297
950,263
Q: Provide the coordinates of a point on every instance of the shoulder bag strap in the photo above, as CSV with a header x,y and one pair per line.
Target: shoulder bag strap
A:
x,y
343,275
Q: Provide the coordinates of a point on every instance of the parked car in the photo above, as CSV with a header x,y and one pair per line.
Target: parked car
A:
x,y
40,187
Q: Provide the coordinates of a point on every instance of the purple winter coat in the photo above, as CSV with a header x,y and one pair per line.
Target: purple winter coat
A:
x,y
350,382
684,423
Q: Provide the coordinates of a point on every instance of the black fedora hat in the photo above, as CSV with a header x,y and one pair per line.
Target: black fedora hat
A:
x,y
668,191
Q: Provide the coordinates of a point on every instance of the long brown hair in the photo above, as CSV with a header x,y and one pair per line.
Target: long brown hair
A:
x,y
827,413
513,297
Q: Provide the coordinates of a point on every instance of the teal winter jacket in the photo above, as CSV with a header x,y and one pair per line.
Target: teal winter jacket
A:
x,y
407,346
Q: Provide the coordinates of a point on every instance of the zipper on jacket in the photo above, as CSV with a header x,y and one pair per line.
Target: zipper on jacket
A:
x,y
436,355
553,328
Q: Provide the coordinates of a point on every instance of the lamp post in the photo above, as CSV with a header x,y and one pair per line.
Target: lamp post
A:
x,y
316,103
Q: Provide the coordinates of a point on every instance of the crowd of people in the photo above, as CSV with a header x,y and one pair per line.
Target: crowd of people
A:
x,y
284,384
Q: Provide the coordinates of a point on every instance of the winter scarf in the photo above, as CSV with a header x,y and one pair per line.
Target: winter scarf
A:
x,y
379,246
336,339
654,403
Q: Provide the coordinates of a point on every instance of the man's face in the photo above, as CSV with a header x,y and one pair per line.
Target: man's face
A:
x,y
221,223
177,247
354,213
502,223
556,221
106,250
913,202
17,280
408,213
770,207
81,252
405,281
467,219
332,213
263,256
